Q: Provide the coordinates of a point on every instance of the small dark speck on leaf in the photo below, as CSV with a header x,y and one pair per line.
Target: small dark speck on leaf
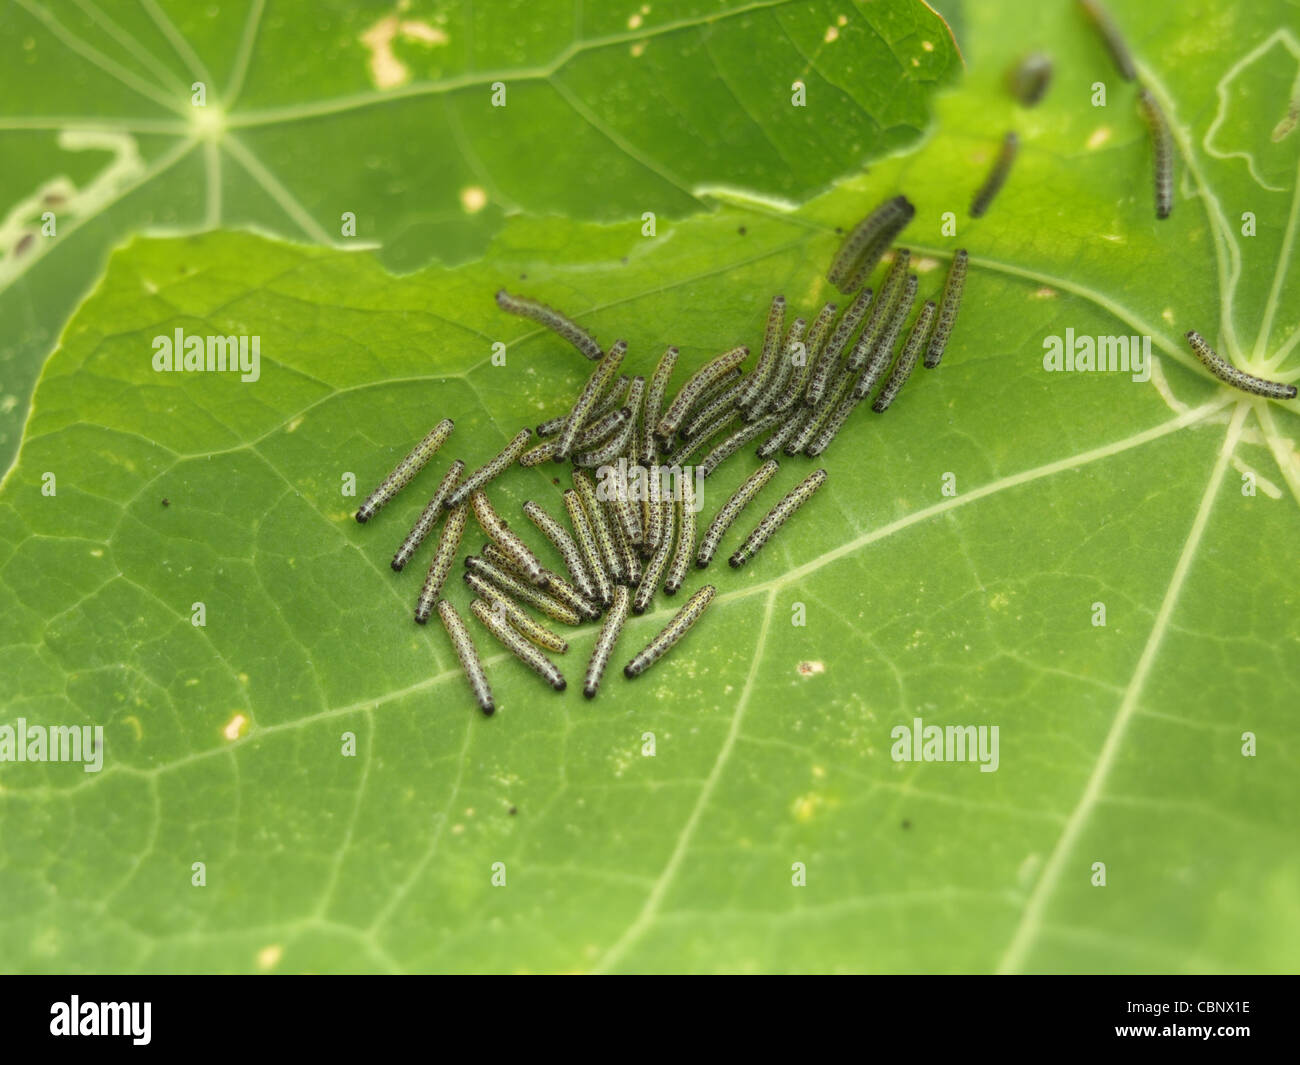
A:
x,y
741,231
514,810
523,277
555,480
839,229
166,502
623,260
907,824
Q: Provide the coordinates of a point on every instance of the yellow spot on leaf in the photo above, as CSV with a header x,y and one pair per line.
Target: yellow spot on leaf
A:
x,y
1098,137
473,199
269,957
235,727
386,70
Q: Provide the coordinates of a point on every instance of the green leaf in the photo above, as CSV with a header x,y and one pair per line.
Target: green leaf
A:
x,y
1120,744
389,116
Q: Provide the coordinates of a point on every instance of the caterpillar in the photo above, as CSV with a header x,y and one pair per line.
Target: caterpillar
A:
x,y
517,645
628,518
599,527
672,633
561,324
621,441
691,445
596,430
653,524
777,516
834,422
779,384
468,655
428,517
730,510
654,403
1229,374
758,381
788,428
997,176
867,242
907,358
627,551
828,359
882,313
1162,145
525,624
1030,78
587,543
556,586
952,291
489,470
654,568
481,573
695,385
798,385
1111,36
402,473
610,630
453,530
707,414
884,350
519,553
686,533
596,384
875,252
564,544
812,418
735,442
